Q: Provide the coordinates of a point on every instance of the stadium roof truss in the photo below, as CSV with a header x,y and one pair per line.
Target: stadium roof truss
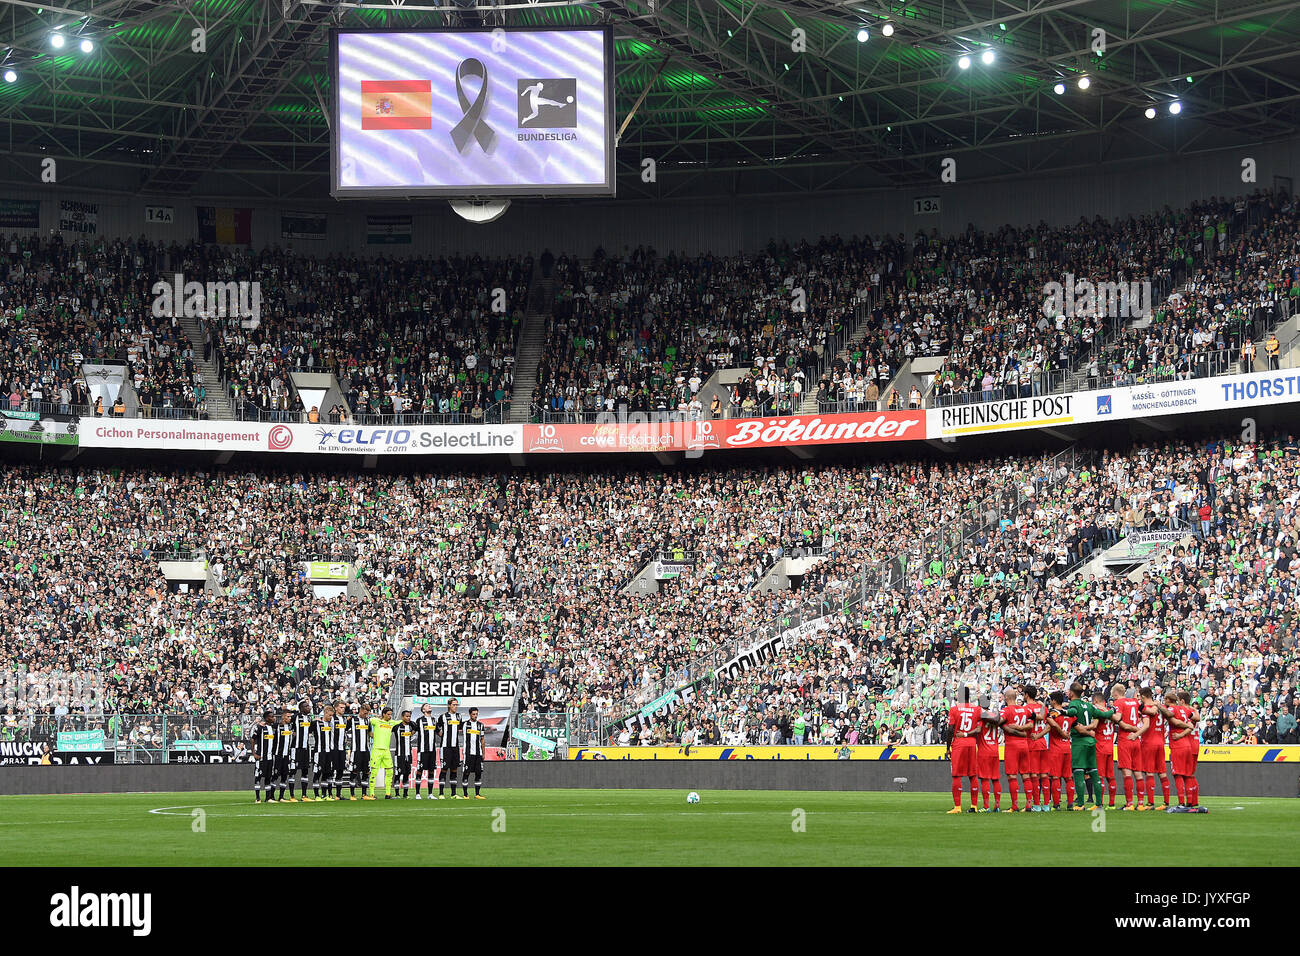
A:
x,y
727,96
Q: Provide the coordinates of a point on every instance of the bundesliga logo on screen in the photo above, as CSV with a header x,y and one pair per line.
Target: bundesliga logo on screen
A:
x,y
550,104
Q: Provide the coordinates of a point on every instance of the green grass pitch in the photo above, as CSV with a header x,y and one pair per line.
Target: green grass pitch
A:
x,y
628,827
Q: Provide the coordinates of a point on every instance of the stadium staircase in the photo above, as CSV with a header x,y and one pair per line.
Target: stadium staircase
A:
x,y
1288,334
357,589
219,407
528,350
856,336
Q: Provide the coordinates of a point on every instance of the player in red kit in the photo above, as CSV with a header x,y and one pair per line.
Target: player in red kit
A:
x,y
963,728
1016,727
1057,759
986,760
1153,748
1184,749
1106,733
1039,782
1129,707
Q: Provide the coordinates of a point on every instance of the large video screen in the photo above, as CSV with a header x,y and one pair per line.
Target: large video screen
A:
x,y
473,112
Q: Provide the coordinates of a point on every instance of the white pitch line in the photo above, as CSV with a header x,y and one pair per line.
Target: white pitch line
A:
x,y
392,811
29,823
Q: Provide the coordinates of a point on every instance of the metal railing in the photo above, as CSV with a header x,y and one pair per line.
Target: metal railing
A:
x,y
177,554
851,407
135,738
494,414
1040,383
60,411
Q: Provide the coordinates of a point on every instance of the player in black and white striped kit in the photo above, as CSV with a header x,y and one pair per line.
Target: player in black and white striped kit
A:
x,y
450,736
426,732
265,736
328,737
339,738
359,745
404,740
284,754
475,734
301,749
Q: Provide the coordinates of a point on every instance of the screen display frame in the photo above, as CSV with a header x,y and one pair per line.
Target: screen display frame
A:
x,y
607,188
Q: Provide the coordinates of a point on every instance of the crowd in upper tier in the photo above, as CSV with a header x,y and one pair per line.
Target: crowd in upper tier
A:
x,y
835,320
533,567
1218,272
647,330
63,304
427,337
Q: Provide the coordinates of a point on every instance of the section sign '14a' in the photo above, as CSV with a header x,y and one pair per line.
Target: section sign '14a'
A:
x,y
484,112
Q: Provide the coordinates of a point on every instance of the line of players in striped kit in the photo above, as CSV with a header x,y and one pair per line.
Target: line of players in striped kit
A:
x,y
1069,743
334,751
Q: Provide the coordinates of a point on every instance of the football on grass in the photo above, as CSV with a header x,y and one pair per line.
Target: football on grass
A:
x,y
692,797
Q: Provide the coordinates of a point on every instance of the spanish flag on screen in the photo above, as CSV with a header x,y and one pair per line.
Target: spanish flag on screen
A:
x,y
396,104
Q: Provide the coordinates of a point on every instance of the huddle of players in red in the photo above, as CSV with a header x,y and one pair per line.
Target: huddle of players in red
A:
x,y
1045,745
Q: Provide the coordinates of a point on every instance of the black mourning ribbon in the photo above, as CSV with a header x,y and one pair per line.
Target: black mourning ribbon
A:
x,y
471,123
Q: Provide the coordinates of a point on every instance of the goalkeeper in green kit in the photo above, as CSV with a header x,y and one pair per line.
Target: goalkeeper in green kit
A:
x,y
1083,746
381,754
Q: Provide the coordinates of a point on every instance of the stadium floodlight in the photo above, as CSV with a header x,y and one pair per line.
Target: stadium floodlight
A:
x,y
1084,82
1151,112
87,46
987,57
964,63
887,29
1059,89
56,40
863,35
1175,108
10,76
